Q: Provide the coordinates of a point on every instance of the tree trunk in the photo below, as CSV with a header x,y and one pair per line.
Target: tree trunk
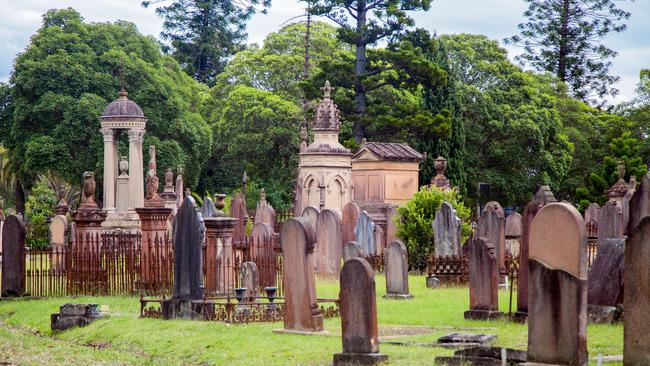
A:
x,y
564,42
359,70
20,198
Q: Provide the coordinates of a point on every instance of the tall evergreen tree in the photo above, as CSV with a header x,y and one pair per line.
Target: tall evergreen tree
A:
x,y
564,37
203,34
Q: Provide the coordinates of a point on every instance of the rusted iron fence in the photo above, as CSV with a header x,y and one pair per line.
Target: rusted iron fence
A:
x,y
449,269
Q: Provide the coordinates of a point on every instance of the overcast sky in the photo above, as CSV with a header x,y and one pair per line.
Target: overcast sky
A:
x,y
497,19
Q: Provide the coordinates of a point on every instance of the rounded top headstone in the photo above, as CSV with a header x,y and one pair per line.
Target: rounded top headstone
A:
x,y
123,108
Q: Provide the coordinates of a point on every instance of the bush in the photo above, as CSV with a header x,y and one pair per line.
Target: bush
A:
x,y
415,219
39,208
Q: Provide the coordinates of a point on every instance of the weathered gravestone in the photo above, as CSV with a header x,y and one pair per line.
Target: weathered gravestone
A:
x,y
58,241
365,234
610,221
310,213
492,226
350,216
392,218
328,243
543,197
636,304
625,205
397,274
446,232
298,241
605,284
483,281
263,253
264,213
513,233
358,316
208,209
592,213
13,257
639,204
249,278
352,249
557,310
188,277
379,240
238,211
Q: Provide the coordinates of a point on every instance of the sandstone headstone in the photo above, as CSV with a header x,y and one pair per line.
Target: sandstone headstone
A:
x,y
264,213
328,243
592,212
208,209
605,284
298,241
483,280
249,278
397,274
639,204
392,218
350,216
263,253
446,231
358,316
557,310
238,211
636,304
310,214
379,240
513,233
58,241
610,221
492,226
625,207
365,234
13,257
352,249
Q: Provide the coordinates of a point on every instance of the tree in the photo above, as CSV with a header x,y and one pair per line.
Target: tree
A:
x,y
204,34
65,78
564,37
38,210
363,23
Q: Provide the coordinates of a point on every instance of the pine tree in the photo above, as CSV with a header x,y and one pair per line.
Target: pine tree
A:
x,y
203,34
564,37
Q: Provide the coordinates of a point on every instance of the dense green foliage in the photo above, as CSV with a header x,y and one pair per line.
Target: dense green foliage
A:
x,y
415,218
39,208
564,38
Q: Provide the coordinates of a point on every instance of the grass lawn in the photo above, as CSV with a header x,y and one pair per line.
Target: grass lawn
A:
x,y
123,339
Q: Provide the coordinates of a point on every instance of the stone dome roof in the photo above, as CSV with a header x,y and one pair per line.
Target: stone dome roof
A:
x,y
327,113
123,108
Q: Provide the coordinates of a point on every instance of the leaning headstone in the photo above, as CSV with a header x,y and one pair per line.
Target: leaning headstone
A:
x,y
298,241
310,213
365,234
349,218
610,221
557,311
328,243
352,249
58,241
483,281
208,209
13,257
492,226
513,233
249,278
446,231
636,304
397,274
188,276
605,284
358,311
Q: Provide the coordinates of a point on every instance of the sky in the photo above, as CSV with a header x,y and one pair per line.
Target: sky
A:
x,y
497,19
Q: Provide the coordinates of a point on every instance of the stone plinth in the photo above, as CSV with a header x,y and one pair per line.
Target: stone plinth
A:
x,y
88,223
219,232
154,236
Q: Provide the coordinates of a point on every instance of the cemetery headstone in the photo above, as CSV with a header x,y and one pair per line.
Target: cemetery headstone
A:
x,y
397,279
208,209
352,249
605,281
592,212
483,281
358,316
263,253
249,278
446,232
492,226
379,240
298,241
513,233
350,216
264,213
557,311
328,243
639,204
610,221
636,304
13,257
58,241
365,234
310,214
625,207
238,211
391,223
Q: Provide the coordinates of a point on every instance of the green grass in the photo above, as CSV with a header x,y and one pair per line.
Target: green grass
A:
x,y
25,336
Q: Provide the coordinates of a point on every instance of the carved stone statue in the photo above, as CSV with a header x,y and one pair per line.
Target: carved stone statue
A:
x,y
169,179
152,158
303,138
152,185
88,190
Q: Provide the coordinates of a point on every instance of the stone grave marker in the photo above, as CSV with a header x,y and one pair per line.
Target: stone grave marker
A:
x,y
391,223
625,207
446,231
605,281
557,311
352,249
264,213
483,281
592,212
58,241
208,209
397,279
492,226
365,234
328,243
238,211
513,233
298,241
639,206
350,216
249,278
358,315
263,253
310,213
379,240
610,221
13,257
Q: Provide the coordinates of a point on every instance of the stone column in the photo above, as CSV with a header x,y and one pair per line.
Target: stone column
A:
x,y
219,254
109,169
136,193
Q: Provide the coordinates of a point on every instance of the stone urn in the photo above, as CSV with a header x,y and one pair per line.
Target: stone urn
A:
x,y
440,165
270,293
239,293
124,166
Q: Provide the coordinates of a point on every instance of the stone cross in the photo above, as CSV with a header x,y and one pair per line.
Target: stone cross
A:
x,y
446,232
365,234
13,257
298,241
492,226
397,274
351,212
358,315
483,280
352,249
557,310
328,243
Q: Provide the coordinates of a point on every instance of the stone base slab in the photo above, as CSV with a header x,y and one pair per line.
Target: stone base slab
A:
x,y
483,315
398,296
520,317
186,309
464,361
352,359
302,332
602,314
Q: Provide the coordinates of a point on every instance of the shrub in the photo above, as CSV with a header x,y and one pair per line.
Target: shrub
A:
x,y
415,219
39,208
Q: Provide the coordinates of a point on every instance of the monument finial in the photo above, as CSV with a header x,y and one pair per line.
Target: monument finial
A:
x,y
327,89
123,92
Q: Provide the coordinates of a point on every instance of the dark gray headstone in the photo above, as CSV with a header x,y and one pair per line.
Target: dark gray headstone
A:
x,y
13,256
610,221
188,282
446,231
483,280
492,226
606,274
249,278
636,306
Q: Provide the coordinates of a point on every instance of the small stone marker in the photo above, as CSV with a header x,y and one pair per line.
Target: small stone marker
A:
x,y
350,216
13,257
358,316
610,221
592,212
328,243
483,281
557,312
605,281
310,213
484,356
636,304
365,233
352,249
464,340
298,241
397,275
492,226
446,231
249,280
75,315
